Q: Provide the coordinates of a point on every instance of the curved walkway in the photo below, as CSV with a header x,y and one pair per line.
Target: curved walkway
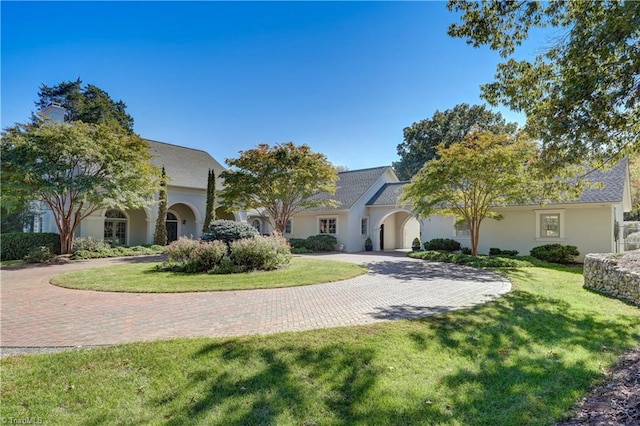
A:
x,y
35,314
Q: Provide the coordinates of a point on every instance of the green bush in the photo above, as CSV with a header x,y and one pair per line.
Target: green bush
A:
x,y
89,244
40,254
15,246
416,244
192,256
321,242
298,243
494,251
475,261
260,253
443,244
466,250
117,252
555,253
300,250
229,231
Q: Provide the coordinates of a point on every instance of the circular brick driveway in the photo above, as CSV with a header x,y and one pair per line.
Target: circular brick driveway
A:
x,y
36,314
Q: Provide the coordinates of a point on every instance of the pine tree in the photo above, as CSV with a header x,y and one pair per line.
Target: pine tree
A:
x,y
210,211
160,236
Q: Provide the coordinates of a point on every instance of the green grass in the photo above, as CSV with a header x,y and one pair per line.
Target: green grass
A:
x,y
6,263
521,360
145,278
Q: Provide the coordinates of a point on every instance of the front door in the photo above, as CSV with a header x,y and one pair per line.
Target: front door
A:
x,y
382,237
172,231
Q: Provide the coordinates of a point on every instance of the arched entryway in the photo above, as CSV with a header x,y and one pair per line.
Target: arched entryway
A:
x,y
395,230
181,222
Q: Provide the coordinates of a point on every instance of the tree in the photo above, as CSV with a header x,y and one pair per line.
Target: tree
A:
x,y
283,180
581,95
75,169
449,126
210,210
634,171
160,236
89,104
471,178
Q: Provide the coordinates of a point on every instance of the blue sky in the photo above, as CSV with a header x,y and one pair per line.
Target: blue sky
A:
x,y
343,77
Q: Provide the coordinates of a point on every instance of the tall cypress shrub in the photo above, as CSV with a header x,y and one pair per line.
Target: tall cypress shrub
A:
x,y
210,211
160,236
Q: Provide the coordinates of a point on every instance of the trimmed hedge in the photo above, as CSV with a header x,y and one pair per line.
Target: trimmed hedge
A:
x,y
480,261
555,253
494,251
321,242
17,245
442,244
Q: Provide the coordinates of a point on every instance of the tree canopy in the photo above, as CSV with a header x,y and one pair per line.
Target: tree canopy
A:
x,y
471,178
281,179
75,169
447,127
582,94
89,104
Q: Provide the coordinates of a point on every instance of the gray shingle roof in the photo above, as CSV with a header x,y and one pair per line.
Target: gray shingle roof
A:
x,y
612,190
186,167
388,194
352,185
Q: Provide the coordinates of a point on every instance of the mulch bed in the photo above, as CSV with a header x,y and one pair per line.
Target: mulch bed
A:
x,y
615,402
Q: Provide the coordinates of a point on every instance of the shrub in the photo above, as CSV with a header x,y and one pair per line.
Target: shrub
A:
x,y
89,244
300,250
443,244
474,261
321,242
260,253
229,231
556,253
493,251
416,244
298,243
117,252
40,254
466,250
186,255
15,246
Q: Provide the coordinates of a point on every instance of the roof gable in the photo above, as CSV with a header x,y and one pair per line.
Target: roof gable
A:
x,y
612,188
388,194
185,167
351,186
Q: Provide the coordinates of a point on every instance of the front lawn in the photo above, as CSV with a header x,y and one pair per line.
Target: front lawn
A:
x,y
524,359
145,278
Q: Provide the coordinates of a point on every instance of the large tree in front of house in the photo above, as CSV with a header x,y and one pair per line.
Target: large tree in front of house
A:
x,y
160,236
75,168
445,127
469,179
89,104
581,93
210,208
281,180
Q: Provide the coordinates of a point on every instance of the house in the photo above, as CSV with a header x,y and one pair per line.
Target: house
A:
x,y
590,222
369,207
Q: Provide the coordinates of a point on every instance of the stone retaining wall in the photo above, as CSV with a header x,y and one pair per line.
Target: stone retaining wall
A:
x,y
602,273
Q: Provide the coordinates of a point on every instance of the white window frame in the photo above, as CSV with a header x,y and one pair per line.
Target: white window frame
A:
x,y
540,214
364,232
126,220
321,218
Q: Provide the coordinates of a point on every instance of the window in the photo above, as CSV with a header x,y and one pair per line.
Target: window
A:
x,y
364,226
550,224
327,226
115,227
287,227
462,229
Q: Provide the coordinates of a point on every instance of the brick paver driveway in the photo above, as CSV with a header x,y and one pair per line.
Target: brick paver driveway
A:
x,y
37,314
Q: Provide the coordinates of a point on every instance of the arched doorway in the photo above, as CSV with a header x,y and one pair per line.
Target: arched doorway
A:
x,y
257,223
396,230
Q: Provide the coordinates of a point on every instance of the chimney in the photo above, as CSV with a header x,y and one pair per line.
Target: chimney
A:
x,y
54,112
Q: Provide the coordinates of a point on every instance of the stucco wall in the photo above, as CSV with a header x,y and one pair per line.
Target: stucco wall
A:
x,y
590,228
602,273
